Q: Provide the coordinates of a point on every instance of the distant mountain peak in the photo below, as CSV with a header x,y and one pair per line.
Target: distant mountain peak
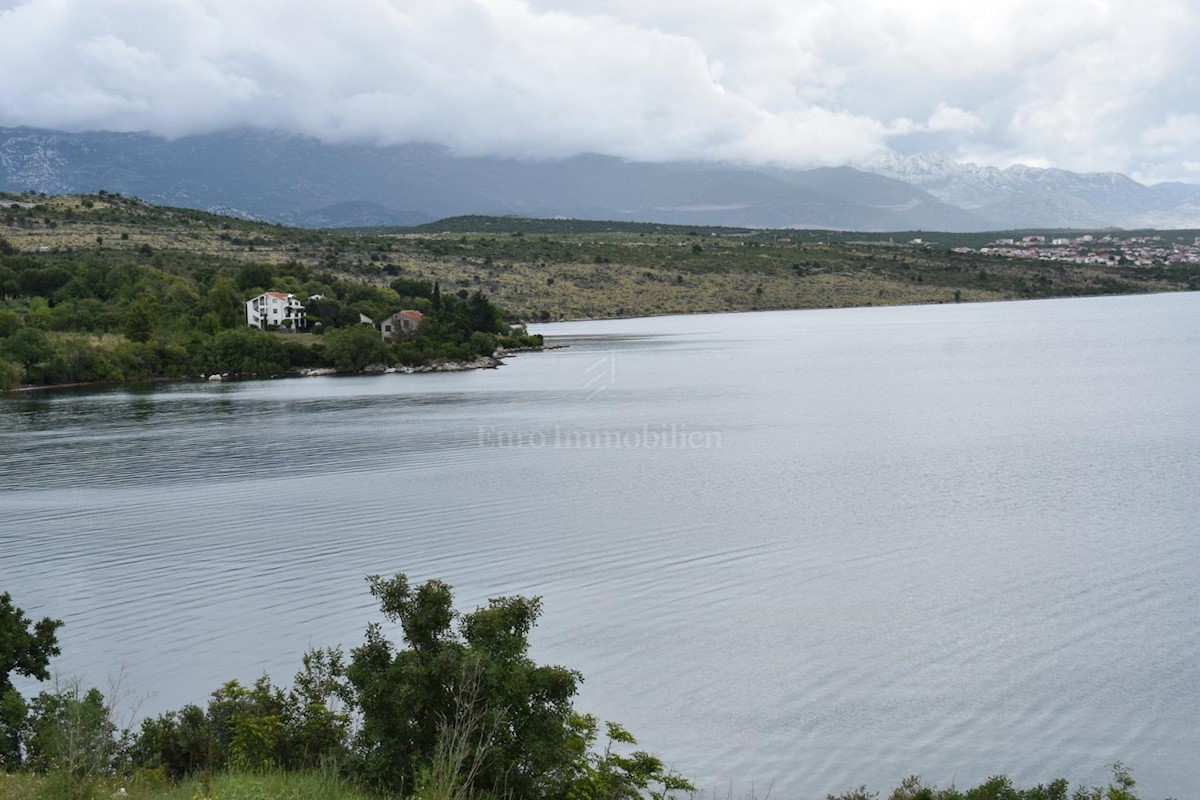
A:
x,y
1022,196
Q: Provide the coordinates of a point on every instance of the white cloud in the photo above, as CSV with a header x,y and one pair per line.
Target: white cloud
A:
x,y
1083,84
945,119
948,118
1178,133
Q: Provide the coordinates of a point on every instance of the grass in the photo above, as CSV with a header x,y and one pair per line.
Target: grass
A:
x,y
223,786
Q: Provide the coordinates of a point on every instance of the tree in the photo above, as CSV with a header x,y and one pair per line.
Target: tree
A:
x,y
352,349
9,283
462,712
223,301
246,351
25,649
27,347
177,742
254,276
408,697
1119,788
482,315
10,323
43,281
327,311
10,374
612,775
71,732
255,727
411,287
141,319
247,724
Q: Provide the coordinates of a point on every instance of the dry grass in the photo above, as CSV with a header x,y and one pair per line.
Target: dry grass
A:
x,y
574,291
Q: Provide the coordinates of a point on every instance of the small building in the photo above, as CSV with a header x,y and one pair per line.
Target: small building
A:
x,y
402,323
275,310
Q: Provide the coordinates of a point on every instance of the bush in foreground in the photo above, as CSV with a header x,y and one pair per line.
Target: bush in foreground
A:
x,y
459,711
1001,788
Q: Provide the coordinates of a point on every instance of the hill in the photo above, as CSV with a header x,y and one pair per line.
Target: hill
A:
x,y
553,269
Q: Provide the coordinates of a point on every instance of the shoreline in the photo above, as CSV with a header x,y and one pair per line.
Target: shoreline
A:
x,y
493,361
866,305
497,359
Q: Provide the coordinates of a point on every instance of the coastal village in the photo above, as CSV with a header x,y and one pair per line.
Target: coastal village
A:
x,y
1107,250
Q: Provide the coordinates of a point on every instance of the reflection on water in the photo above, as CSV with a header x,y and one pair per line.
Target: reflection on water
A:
x,y
953,540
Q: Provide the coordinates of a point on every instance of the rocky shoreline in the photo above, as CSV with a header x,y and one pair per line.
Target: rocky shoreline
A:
x,y
483,362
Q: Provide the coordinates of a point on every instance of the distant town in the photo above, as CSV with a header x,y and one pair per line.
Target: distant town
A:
x,y
1105,250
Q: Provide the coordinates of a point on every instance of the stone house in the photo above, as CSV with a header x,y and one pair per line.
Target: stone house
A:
x,y
402,323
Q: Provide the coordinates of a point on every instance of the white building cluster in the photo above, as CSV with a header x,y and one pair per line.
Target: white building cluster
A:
x,y
280,311
1142,251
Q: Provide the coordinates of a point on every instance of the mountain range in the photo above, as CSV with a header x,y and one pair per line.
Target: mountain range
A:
x,y
301,181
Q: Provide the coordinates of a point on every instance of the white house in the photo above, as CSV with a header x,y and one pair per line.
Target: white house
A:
x,y
275,309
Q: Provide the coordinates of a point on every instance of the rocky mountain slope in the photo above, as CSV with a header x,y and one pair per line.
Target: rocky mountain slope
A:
x,y
1022,197
301,181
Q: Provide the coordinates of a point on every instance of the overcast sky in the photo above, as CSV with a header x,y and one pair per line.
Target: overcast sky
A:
x,y
1080,84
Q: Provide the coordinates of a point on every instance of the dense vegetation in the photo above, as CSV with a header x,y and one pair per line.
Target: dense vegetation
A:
x,y
460,712
130,314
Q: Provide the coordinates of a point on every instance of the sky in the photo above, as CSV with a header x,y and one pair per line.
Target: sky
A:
x,y
1087,85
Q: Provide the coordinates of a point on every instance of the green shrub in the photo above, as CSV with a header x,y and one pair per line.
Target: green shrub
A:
x,y
178,743
351,349
11,375
9,324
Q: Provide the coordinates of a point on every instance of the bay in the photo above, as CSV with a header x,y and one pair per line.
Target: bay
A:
x,y
791,551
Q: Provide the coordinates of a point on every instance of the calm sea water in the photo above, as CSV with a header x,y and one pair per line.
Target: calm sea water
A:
x,y
799,550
